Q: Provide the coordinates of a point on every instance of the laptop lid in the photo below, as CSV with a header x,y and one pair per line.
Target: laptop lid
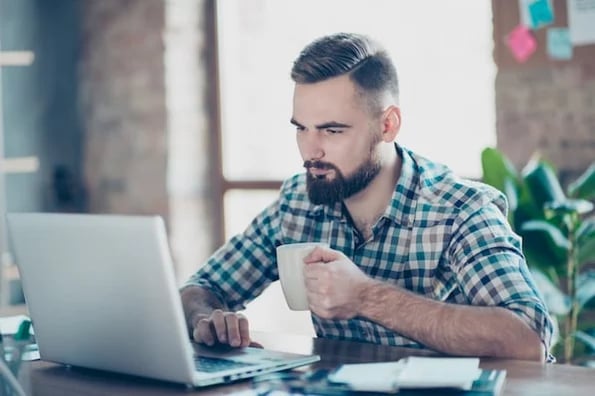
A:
x,y
101,293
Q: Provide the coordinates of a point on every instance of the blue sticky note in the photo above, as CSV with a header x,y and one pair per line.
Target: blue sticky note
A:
x,y
558,43
541,13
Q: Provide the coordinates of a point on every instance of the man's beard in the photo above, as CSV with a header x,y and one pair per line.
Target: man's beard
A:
x,y
328,192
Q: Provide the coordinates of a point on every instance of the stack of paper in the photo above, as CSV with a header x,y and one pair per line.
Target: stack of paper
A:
x,y
412,372
420,372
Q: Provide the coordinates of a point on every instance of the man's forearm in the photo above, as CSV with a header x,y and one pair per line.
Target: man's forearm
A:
x,y
451,328
198,302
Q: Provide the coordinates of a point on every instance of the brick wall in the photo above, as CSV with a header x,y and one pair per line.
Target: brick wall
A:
x,y
147,110
123,106
544,105
550,110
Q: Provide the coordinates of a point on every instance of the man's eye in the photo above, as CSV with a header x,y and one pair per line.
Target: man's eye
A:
x,y
299,129
333,131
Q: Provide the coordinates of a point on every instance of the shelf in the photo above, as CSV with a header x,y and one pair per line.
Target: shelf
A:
x,y
16,58
19,165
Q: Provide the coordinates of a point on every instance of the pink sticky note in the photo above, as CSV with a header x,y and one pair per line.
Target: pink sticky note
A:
x,y
521,42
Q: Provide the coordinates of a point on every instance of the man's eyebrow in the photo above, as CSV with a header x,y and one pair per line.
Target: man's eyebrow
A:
x,y
330,124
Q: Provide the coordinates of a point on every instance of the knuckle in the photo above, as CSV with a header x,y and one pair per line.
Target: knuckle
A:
x,y
203,323
229,316
200,317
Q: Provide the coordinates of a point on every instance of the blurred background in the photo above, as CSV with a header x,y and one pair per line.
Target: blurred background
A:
x,y
181,108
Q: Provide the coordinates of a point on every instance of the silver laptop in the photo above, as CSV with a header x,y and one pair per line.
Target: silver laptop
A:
x,y
101,294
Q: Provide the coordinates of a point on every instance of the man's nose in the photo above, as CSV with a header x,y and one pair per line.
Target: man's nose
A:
x,y
312,143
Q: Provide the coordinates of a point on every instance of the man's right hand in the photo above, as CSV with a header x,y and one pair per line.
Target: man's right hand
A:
x,y
220,327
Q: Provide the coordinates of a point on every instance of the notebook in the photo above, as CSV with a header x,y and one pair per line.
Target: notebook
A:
x,y
419,375
101,293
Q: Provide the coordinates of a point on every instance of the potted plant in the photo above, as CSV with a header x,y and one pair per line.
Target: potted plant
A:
x,y
558,238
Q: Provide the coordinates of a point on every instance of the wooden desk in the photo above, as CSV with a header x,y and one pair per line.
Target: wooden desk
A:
x,y
523,378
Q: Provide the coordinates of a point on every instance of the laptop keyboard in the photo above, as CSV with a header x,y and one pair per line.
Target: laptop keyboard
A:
x,y
213,365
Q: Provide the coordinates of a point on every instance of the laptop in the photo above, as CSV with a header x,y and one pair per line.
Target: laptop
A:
x,y
101,294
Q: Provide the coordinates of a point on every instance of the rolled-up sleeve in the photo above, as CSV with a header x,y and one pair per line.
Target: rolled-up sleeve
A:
x,y
491,269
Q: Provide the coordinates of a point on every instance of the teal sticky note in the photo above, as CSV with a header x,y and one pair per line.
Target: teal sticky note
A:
x,y
536,13
558,44
541,13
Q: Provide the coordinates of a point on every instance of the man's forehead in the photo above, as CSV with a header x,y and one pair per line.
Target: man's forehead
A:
x,y
321,102
324,116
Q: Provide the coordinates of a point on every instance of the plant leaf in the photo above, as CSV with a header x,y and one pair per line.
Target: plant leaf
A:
x,y
586,229
586,251
540,250
585,288
557,302
527,209
543,183
497,169
580,206
585,242
510,190
553,233
584,186
586,339
540,260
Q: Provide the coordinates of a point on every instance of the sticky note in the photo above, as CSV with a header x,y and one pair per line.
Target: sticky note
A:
x,y
521,42
558,43
541,12
536,13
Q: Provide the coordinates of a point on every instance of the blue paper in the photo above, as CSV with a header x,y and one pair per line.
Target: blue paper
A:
x,y
541,13
536,13
558,43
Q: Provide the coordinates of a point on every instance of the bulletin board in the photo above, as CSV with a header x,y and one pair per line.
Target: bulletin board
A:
x,y
507,16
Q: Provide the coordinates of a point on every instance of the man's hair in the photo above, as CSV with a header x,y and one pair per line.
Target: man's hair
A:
x,y
368,65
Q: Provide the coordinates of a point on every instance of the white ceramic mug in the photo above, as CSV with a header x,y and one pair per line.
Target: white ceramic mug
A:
x,y
290,263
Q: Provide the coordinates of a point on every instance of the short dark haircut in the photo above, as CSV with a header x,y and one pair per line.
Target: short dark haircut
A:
x,y
364,60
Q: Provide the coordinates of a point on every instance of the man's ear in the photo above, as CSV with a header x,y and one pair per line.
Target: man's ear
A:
x,y
391,123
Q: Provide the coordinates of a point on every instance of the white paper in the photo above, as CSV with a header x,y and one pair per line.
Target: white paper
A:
x,y
412,372
425,372
372,377
10,324
581,21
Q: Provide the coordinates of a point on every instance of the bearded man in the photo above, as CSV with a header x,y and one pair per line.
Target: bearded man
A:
x,y
418,257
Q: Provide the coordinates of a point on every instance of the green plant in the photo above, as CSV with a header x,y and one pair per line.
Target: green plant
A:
x,y
558,237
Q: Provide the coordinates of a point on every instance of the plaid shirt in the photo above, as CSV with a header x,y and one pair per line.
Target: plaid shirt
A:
x,y
441,237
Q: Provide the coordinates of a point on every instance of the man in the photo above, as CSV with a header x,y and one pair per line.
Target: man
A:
x,y
418,257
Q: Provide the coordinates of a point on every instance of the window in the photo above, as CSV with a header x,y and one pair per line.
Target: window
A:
x,y
443,54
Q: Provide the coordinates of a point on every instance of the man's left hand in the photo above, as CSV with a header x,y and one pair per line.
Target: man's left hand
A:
x,y
334,284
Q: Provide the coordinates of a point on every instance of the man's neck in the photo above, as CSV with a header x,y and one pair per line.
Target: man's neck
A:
x,y
367,206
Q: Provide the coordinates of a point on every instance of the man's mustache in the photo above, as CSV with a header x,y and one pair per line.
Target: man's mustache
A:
x,y
318,165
